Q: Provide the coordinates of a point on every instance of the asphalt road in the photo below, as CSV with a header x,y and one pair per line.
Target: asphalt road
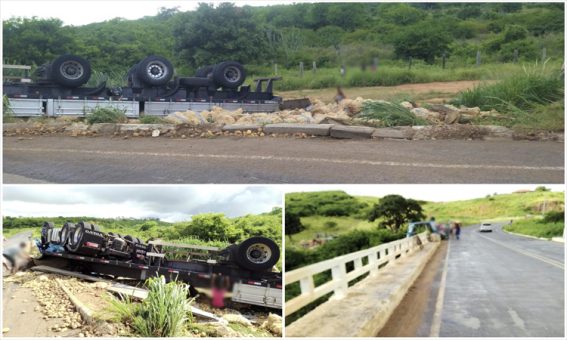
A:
x,y
497,284
279,160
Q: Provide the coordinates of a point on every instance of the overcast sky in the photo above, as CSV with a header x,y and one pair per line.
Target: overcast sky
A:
x,y
83,12
169,203
426,192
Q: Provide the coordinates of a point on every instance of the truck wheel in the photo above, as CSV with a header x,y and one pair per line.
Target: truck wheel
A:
x,y
66,232
155,70
204,71
70,71
46,231
229,74
257,253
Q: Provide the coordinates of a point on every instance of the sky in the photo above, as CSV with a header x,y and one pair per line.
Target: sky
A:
x,y
426,192
70,11
169,203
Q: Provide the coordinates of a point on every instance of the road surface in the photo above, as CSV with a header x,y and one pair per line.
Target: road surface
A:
x,y
489,285
279,160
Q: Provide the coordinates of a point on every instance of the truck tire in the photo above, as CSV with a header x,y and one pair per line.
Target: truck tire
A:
x,y
204,71
229,74
46,232
66,232
70,71
155,70
257,253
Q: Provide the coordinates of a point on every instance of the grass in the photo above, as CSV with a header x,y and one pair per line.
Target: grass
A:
x,y
7,113
164,313
537,228
151,120
495,207
386,75
106,115
389,114
319,224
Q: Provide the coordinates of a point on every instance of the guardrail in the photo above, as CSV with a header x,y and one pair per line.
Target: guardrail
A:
x,y
365,261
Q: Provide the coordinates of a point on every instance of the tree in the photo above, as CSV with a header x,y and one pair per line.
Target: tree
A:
x,y
395,211
542,188
210,35
424,40
292,224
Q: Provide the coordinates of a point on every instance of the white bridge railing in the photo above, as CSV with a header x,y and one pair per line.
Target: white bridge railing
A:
x,y
365,261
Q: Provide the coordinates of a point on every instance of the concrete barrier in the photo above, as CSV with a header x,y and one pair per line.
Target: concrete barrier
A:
x,y
351,132
363,309
395,133
309,129
241,127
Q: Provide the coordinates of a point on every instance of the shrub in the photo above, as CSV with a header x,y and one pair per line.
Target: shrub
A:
x,y
106,115
554,217
151,120
331,224
6,110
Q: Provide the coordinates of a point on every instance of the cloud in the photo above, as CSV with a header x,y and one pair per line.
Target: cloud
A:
x,y
170,203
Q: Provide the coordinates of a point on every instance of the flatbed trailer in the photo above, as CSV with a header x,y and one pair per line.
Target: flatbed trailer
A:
x,y
152,90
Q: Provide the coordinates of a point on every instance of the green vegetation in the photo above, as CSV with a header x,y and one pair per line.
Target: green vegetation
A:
x,y
106,115
324,203
151,120
331,34
7,114
164,313
496,207
538,227
394,211
389,114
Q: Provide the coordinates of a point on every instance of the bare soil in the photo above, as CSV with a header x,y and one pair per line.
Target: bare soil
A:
x,y
414,314
438,92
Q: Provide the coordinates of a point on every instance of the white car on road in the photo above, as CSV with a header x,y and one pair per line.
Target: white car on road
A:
x,y
485,226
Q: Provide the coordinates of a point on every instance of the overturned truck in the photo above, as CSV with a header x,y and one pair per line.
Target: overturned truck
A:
x,y
152,89
248,266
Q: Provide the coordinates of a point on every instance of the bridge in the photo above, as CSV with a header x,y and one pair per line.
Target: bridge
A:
x,y
485,284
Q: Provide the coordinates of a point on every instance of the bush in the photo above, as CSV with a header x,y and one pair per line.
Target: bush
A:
x,y
554,217
331,224
6,110
151,120
106,115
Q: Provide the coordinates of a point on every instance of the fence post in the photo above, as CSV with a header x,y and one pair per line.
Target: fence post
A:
x,y
515,56
444,59
478,58
375,64
409,62
339,276
543,54
343,71
276,69
301,68
306,284
314,66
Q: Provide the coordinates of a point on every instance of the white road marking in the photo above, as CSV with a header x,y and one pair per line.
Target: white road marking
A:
x,y
436,323
294,159
547,260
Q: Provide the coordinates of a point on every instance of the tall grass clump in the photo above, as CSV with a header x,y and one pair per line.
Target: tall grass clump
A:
x,y
106,115
7,113
389,114
164,313
151,120
522,92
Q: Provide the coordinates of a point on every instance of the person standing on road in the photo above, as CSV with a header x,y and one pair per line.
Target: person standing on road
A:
x,y
457,229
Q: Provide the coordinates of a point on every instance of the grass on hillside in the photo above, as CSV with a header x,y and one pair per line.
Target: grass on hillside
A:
x,y
535,227
318,224
504,206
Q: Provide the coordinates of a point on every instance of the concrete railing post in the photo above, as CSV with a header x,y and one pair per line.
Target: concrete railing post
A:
x,y
373,263
306,284
339,276
358,263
